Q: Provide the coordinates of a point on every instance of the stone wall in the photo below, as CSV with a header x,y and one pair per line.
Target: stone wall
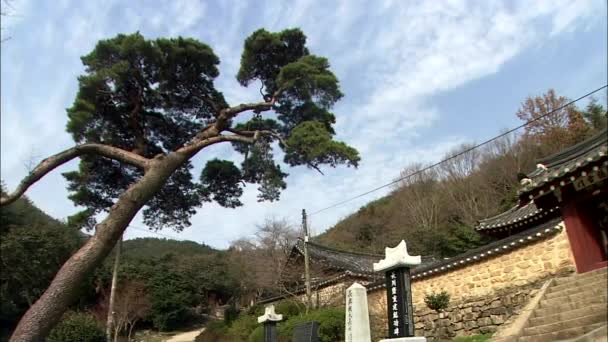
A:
x,y
482,295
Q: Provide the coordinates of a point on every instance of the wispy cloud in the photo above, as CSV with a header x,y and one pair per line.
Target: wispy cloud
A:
x,y
392,57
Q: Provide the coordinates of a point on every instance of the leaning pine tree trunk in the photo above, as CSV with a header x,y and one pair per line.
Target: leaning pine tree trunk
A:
x,y
41,317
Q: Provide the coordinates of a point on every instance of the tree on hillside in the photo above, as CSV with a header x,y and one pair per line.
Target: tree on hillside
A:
x,y
263,257
33,246
596,115
554,132
146,108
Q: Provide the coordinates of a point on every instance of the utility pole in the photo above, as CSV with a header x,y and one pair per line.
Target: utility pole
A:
x,y
110,322
306,262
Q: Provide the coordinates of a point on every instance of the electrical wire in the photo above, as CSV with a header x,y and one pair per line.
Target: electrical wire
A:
x,y
457,154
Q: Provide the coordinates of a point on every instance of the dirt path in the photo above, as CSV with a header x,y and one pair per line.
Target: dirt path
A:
x,y
187,336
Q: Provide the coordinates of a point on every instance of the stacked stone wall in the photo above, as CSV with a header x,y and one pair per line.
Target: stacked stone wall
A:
x,y
483,295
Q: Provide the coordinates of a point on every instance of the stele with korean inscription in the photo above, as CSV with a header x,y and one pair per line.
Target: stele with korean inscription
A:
x,y
357,315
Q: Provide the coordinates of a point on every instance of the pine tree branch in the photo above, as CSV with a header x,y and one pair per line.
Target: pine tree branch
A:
x,y
52,162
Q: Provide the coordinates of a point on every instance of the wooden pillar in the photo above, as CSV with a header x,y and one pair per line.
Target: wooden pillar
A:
x,y
584,242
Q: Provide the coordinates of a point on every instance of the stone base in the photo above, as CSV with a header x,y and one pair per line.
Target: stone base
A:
x,y
405,339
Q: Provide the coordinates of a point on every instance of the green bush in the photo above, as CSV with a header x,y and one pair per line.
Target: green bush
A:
x,y
230,314
289,308
331,324
256,310
257,335
243,326
77,327
218,327
437,301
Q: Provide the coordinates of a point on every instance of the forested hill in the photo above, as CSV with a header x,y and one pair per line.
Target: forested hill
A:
x,y
171,278
152,248
436,210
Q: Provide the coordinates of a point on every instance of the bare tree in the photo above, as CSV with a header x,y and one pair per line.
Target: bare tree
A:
x,y
264,256
132,305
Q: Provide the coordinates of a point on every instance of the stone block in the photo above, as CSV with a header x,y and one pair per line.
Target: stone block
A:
x,y
488,329
497,319
456,317
470,325
498,311
484,321
496,304
443,323
470,316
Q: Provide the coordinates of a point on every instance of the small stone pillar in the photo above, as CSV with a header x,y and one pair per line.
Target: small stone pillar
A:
x,y
270,319
357,315
396,267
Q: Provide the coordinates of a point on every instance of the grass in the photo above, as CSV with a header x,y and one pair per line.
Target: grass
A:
x,y
473,338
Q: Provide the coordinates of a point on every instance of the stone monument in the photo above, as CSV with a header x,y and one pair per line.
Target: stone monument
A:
x,y
396,267
357,316
270,319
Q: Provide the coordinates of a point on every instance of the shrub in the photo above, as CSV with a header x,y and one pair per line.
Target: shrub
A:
x,y
230,314
257,335
218,327
289,308
437,301
77,327
331,324
243,326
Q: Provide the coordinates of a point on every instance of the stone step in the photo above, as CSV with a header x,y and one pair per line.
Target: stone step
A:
x,y
564,315
549,302
598,335
567,306
562,325
579,282
576,288
560,335
583,276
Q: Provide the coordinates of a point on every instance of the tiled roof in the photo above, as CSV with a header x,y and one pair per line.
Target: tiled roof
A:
x,y
517,218
337,259
566,166
360,264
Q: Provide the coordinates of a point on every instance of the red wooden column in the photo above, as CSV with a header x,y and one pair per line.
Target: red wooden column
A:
x,y
585,245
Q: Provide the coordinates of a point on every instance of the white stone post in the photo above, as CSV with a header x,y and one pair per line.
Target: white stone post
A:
x,y
357,316
270,319
396,267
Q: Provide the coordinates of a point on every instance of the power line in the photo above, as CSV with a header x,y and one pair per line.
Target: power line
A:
x,y
458,154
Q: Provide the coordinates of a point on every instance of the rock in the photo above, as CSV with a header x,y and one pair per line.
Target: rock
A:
x,y
484,321
496,319
488,329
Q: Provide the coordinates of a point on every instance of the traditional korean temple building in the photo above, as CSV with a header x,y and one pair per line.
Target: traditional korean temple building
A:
x,y
576,181
572,185
560,226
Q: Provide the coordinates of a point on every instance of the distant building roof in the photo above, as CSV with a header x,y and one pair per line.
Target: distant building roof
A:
x,y
338,259
517,219
564,168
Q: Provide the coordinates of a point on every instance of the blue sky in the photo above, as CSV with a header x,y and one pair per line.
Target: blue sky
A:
x,y
419,77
